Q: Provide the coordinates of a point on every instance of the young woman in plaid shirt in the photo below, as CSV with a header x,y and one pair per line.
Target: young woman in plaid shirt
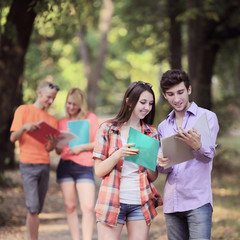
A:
x,y
126,193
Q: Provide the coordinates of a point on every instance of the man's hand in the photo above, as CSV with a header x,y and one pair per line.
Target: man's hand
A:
x,y
191,137
30,127
51,142
163,161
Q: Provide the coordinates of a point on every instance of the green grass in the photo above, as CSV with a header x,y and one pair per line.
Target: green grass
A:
x,y
230,142
226,189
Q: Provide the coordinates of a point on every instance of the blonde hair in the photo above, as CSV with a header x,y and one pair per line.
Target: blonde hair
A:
x,y
80,100
43,84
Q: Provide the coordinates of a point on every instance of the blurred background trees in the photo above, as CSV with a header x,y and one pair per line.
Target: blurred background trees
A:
x,y
103,45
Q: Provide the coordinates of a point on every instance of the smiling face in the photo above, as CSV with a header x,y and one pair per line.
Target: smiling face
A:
x,y
46,97
71,107
178,97
143,106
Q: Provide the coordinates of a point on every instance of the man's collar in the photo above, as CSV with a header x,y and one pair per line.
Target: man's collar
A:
x,y
192,110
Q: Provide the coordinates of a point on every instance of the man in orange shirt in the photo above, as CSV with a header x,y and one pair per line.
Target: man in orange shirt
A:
x,y
34,156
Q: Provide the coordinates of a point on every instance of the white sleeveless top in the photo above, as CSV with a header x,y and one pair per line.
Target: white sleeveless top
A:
x,y
129,185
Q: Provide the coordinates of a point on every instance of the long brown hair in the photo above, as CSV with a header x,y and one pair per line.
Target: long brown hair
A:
x,y
80,100
130,100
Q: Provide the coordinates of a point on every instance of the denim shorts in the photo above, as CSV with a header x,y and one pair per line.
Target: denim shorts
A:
x,y
130,212
35,179
69,171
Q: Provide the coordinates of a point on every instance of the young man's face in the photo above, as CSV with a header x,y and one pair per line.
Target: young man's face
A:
x,y
46,97
178,97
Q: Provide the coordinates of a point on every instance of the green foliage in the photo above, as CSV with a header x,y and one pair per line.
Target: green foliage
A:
x,y
63,19
227,157
228,114
227,70
4,9
146,28
137,50
6,27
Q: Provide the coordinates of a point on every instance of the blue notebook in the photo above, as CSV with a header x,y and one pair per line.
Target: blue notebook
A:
x,y
81,129
148,149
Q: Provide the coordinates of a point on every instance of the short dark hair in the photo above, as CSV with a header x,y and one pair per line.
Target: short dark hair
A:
x,y
173,77
130,100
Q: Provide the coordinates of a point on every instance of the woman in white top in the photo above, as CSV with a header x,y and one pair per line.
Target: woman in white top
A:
x,y
126,193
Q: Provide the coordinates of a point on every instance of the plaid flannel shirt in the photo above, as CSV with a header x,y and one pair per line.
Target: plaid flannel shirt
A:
x,y
108,206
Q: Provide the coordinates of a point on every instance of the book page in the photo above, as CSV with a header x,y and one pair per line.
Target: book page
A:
x,y
178,151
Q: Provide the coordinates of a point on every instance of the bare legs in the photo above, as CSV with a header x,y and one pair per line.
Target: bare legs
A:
x,y
86,195
137,230
106,232
32,223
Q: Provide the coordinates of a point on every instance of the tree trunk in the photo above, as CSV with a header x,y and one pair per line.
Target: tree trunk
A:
x,y
93,70
14,44
202,53
175,8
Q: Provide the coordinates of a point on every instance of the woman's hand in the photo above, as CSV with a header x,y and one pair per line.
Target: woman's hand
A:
x,y
102,168
125,151
76,150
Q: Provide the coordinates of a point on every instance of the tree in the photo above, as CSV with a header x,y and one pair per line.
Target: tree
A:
x,y
174,10
93,69
13,47
15,38
210,25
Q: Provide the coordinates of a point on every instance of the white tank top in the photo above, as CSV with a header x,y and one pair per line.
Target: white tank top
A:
x,y
129,186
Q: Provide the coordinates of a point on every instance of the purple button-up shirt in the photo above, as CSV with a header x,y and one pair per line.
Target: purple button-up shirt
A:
x,y
188,184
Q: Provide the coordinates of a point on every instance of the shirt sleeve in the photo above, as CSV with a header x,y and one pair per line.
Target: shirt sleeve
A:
x,y
17,119
159,168
206,153
100,150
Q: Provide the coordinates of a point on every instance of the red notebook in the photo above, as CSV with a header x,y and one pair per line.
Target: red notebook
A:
x,y
43,131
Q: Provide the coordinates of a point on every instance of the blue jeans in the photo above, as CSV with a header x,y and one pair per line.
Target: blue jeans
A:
x,y
130,212
193,224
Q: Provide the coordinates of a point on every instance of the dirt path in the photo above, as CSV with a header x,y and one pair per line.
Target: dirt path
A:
x,y
53,224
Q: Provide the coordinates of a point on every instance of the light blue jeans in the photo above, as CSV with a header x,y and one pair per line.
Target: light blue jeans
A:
x,y
194,224
130,212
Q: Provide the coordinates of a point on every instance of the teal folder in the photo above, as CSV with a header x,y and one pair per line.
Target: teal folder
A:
x,y
148,149
81,129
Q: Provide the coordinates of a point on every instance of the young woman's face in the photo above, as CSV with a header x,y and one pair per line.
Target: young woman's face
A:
x,y
143,106
71,107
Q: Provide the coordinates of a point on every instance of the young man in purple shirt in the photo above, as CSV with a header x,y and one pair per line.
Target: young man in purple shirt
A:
x,y
187,198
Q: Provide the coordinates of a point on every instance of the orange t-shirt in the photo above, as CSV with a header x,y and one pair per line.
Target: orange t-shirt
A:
x,y
83,158
31,151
